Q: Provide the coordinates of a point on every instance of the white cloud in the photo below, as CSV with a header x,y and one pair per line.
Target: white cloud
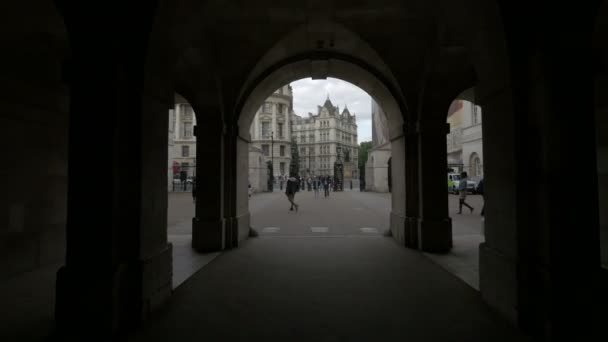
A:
x,y
309,93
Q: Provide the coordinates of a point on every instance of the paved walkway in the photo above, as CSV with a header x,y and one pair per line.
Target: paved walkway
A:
x,y
315,275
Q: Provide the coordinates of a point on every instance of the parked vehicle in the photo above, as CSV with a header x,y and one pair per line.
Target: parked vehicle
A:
x,y
454,183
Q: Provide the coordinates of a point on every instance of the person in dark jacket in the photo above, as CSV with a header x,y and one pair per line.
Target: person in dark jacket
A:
x,y
290,190
480,190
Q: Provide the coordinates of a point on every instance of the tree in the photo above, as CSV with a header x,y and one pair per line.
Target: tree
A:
x,y
364,148
294,165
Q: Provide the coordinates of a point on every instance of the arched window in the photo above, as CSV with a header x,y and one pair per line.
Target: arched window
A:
x,y
475,167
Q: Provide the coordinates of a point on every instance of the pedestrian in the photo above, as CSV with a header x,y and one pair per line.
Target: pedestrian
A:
x,y
480,190
316,184
326,185
290,190
193,189
462,190
281,178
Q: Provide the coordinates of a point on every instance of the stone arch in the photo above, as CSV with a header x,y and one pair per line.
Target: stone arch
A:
x,y
341,67
338,66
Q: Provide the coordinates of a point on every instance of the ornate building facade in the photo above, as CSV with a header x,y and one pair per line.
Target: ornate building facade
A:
x,y
464,142
320,138
270,132
325,136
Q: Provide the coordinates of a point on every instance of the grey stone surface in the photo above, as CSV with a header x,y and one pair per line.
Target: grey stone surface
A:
x,y
294,286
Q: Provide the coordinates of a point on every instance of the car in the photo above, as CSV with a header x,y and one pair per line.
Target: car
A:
x,y
454,183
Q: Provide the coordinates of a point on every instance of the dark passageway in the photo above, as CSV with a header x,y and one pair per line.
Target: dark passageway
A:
x,y
86,91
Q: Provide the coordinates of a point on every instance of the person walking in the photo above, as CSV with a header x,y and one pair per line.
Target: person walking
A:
x,y
480,190
462,190
315,185
326,185
193,189
290,190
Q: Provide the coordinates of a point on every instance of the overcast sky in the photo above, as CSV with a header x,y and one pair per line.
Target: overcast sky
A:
x,y
309,93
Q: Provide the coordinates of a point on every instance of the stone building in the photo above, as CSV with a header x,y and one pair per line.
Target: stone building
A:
x,y
324,135
270,131
379,156
182,146
319,138
464,142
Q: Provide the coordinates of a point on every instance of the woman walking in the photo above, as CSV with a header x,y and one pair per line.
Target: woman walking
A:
x,y
462,190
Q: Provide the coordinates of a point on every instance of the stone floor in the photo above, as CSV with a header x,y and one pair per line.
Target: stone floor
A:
x,y
325,273
186,261
32,295
373,209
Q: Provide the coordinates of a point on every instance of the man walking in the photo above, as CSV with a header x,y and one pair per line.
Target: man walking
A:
x,y
290,190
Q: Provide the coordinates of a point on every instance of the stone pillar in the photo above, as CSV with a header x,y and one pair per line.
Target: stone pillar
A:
x,y
399,188
105,285
411,185
434,222
178,114
208,231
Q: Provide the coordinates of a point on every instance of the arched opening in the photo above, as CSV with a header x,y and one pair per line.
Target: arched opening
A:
x,y
181,192
253,106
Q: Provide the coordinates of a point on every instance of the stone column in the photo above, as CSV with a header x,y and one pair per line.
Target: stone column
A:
x,y
434,222
178,114
208,228
116,268
411,184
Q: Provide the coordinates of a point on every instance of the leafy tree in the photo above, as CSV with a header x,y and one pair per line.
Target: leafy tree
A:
x,y
294,165
364,148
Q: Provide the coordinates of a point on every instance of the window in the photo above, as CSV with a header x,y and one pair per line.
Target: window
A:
x,y
187,129
282,151
282,166
265,129
267,107
280,129
185,151
266,150
303,150
475,115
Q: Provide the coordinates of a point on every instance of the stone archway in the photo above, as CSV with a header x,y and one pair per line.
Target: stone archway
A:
x,y
342,67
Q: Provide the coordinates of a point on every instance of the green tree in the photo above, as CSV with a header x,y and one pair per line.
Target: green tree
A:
x,y
294,165
364,148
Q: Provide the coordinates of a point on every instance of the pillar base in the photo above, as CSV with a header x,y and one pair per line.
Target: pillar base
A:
x,y
498,281
208,236
435,236
411,232
93,300
397,226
